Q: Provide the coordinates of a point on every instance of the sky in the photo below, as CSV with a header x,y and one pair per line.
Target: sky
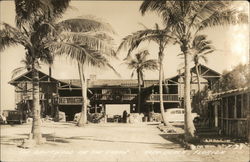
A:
x,y
232,44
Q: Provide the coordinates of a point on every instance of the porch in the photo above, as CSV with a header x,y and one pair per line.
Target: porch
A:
x,y
173,98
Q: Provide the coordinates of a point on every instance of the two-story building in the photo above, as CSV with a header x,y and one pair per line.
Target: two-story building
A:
x,y
106,95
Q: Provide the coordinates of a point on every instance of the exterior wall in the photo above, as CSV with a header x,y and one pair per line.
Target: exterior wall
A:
x,y
21,91
231,112
194,85
23,97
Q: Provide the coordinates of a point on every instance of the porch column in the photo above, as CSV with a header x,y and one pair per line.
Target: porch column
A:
x,y
131,108
248,115
226,106
242,106
221,114
104,107
105,114
95,108
216,114
235,107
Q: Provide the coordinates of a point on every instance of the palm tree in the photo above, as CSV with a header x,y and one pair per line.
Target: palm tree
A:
x,y
87,41
33,24
201,47
138,65
161,37
27,63
186,19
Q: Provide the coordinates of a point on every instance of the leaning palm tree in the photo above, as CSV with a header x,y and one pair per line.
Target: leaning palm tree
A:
x,y
187,18
33,20
139,64
88,42
161,37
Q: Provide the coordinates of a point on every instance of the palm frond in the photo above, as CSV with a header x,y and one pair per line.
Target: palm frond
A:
x,y
97,41
84,25
17,71
12,36
59,7
152,5
28,11
131,42
132,74
224,17
200,48
140,63
113,69
46,56
81,53
151,64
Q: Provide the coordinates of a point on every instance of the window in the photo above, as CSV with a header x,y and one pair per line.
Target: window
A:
x,y
178,111
172,112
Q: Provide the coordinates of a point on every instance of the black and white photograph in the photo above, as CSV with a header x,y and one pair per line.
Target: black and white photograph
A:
x,y
124,81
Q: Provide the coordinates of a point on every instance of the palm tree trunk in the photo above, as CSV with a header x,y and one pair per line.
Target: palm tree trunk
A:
x,y
139,92
189,125
36,124
50,72
83,117
165,121
199,85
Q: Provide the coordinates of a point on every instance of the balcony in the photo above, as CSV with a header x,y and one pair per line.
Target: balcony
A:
x,y
108,97
166,98
70,100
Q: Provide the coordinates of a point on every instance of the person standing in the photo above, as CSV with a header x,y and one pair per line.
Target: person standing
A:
x,y
124,116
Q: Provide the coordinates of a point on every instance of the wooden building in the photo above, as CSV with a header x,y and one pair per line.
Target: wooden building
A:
x,y
230,112
23,93
103,94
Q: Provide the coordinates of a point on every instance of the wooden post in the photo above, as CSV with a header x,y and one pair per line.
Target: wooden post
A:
x,y
216,114
234,123
131,108
242,106
221,115
248,116
235,107
226,105
105,114
95,108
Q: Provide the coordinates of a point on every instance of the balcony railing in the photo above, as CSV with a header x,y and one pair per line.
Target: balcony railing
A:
x,y
76,100
166,98
70,100
108,97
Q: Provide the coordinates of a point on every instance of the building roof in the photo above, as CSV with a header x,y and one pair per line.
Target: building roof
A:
x,y
111,83
27,77
231,92
205,72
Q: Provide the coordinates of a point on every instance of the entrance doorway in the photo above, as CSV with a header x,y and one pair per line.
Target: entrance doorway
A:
x,y
114,112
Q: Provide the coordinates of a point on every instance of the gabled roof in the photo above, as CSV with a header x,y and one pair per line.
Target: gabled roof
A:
x,y
205,72
27,77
